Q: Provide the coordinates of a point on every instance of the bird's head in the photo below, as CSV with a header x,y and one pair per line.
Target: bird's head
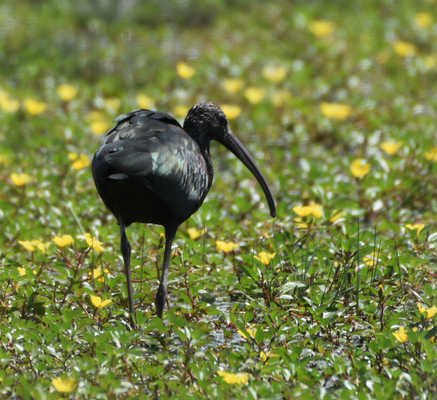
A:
x,y
206,121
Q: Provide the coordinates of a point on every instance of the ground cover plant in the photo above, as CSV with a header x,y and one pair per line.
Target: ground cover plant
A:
x,y
335,298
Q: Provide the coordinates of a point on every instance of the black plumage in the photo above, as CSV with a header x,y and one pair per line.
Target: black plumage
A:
x,y
149,169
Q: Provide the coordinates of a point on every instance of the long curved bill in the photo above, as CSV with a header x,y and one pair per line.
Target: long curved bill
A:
x,y
232,143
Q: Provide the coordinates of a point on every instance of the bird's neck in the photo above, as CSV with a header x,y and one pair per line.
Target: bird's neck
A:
x,y
203,140
209,166
204,149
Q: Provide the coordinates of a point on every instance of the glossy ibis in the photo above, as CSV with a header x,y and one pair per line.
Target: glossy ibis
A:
x,y
149,169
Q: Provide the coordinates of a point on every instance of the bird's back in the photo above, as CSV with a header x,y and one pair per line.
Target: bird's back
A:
x,y
148,169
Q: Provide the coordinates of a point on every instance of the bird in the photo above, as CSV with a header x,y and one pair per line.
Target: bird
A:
x,y
150,169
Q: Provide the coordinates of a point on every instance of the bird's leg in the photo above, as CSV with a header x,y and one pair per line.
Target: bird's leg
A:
x,y
126,251
161,295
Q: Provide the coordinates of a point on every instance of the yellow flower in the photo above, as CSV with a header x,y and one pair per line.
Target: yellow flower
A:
x,y
404,49
233,85
265,355
81,162
424,20
401,335
322,28
265,258
7,104
299,223
72,156
268,354
67,92
20,179
64,385
419,227
240,379
360,168
371,260
432,154
180,111
184,70
112,104
391,147
231,111
144,101
40,245
98,303
274,74
23,271
336,111
93,243
317,209
304,211
195,233
251,333
430,61
226,247
34,107
98,123
279,98
27,244
98,274
99,127
337,216
430,312
254,95
31,245
63,240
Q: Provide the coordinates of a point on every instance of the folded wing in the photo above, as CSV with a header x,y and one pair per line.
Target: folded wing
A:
x,y
148,168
